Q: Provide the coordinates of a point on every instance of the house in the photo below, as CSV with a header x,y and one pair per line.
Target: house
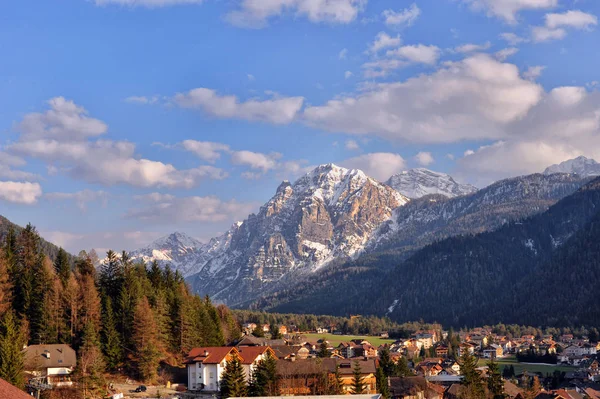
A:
x,y
411,388
566,338
251,355
206,365
441,350
53,363
346,349
303,377
478,339
283,330
493,351
10,391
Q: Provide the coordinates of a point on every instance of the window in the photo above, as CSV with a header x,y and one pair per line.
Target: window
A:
x,y
212,375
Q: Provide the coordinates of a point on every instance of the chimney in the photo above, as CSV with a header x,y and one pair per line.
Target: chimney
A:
x,y
205,353
47,354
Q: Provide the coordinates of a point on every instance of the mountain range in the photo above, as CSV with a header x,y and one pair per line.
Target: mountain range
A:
x,y
318,228
337,241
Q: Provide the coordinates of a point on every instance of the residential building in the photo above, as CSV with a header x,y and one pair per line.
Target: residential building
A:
x,y
206,365
53,363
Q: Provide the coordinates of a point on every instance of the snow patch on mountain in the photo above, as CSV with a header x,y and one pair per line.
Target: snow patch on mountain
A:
x,y
416,183
584,167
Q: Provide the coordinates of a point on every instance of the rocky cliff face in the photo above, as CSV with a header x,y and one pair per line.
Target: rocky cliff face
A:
x,y
416,183
330,213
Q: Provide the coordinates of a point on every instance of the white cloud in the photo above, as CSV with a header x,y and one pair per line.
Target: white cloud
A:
x,y
352,145
405,17
382,67
474,98
343,54
383,40
379,165
347,74
61,138
419,53
565,124
506,52
142,100
20,192
533,72
508,10
469,153
556,24
544,34
472,48
424,158
146,3
81,198
255,160
251,77
205,150
64,120
154,197
116,240
110,163
257,13
277,110
572,18
512,38
192,210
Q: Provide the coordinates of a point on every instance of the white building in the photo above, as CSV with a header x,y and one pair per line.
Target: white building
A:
x,y
53,363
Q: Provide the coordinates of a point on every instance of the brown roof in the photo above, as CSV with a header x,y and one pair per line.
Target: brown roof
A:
x,y
318,366
407,386
10,391
283,351
209,355
55,355
346,366
248,354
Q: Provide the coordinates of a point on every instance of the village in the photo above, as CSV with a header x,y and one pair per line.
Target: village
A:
x,y
426,365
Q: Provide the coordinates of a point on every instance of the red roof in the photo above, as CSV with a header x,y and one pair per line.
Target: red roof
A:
x,y
248,354
210,355
10,391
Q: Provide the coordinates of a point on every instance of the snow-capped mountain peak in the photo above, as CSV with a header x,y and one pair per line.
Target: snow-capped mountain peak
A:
x,y
584,167
415,183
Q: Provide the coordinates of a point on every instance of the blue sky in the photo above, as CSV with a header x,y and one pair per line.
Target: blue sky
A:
x,y
125,120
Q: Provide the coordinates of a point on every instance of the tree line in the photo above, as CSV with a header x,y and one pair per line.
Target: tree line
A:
x,y
125,317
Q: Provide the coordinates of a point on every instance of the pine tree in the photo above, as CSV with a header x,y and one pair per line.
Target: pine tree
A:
x,y
473,387
385,362
111,345
233,379
338,382
494,381
90,365
274,331
111,275
38,313
5,284
62,266
358,381
323,351
89,305
11,350
258,332
382,383
402,369
264,378
147,352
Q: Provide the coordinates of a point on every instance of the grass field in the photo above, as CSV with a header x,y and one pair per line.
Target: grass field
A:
x,y
520,367
335,340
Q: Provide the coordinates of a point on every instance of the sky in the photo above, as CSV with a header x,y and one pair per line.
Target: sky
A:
x,y
125,120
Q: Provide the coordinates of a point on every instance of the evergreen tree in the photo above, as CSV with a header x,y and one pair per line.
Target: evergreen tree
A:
x,y
358,381
338,382
264,378
323,351
494,381
111,344
422,353
5,284
258,332
90,365
62,267
147,351
473,387
274,331
233,379
11,350
382,383
386,363
402,369
111,275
